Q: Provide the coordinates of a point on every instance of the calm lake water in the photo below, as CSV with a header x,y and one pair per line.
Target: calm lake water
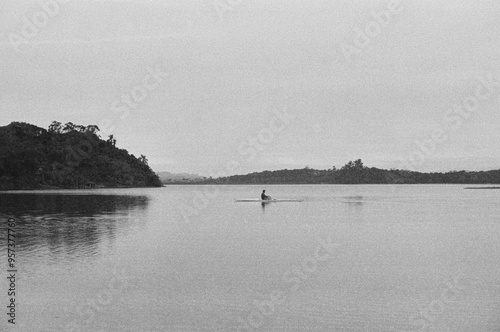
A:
x,y
189,258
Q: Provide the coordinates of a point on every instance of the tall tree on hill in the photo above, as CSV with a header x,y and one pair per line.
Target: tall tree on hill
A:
x,y
143,159
55,127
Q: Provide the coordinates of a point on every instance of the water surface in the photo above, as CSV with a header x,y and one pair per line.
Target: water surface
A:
x,y
189,258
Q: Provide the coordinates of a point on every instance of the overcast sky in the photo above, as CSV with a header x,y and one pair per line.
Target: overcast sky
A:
x,y
345,84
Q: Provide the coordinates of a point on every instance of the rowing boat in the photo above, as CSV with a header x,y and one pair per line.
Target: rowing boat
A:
x,y
267,200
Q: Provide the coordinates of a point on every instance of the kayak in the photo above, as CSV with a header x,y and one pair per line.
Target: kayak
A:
x,y
267,200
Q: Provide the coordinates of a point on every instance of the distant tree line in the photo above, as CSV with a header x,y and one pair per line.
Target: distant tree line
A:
x,y
67,156
354,172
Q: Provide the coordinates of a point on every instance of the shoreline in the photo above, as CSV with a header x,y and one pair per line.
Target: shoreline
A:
x,y
486,186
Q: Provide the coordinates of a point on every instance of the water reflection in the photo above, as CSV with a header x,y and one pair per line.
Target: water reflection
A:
x,y
65,227
354,200
263,204
354,209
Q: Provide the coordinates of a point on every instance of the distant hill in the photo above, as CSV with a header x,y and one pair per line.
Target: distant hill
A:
x,y
354,172
167,177
67,156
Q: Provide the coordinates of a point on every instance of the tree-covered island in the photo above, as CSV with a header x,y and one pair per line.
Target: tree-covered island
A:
x,y
67,156
354,172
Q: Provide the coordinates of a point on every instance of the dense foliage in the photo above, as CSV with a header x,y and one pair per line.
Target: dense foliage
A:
x,y
356,173
67,156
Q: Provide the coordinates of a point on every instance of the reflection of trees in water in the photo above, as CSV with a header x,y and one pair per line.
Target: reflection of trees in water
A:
x,y
70,205
355,201
68,225
355,207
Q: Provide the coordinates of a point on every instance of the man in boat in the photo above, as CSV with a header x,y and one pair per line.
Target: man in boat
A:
x,y
263,196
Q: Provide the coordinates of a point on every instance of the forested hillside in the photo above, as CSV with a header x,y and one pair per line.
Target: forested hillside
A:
x,y
67,156
356,173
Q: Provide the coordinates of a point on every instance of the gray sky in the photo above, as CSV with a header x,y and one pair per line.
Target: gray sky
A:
x,y
227,66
